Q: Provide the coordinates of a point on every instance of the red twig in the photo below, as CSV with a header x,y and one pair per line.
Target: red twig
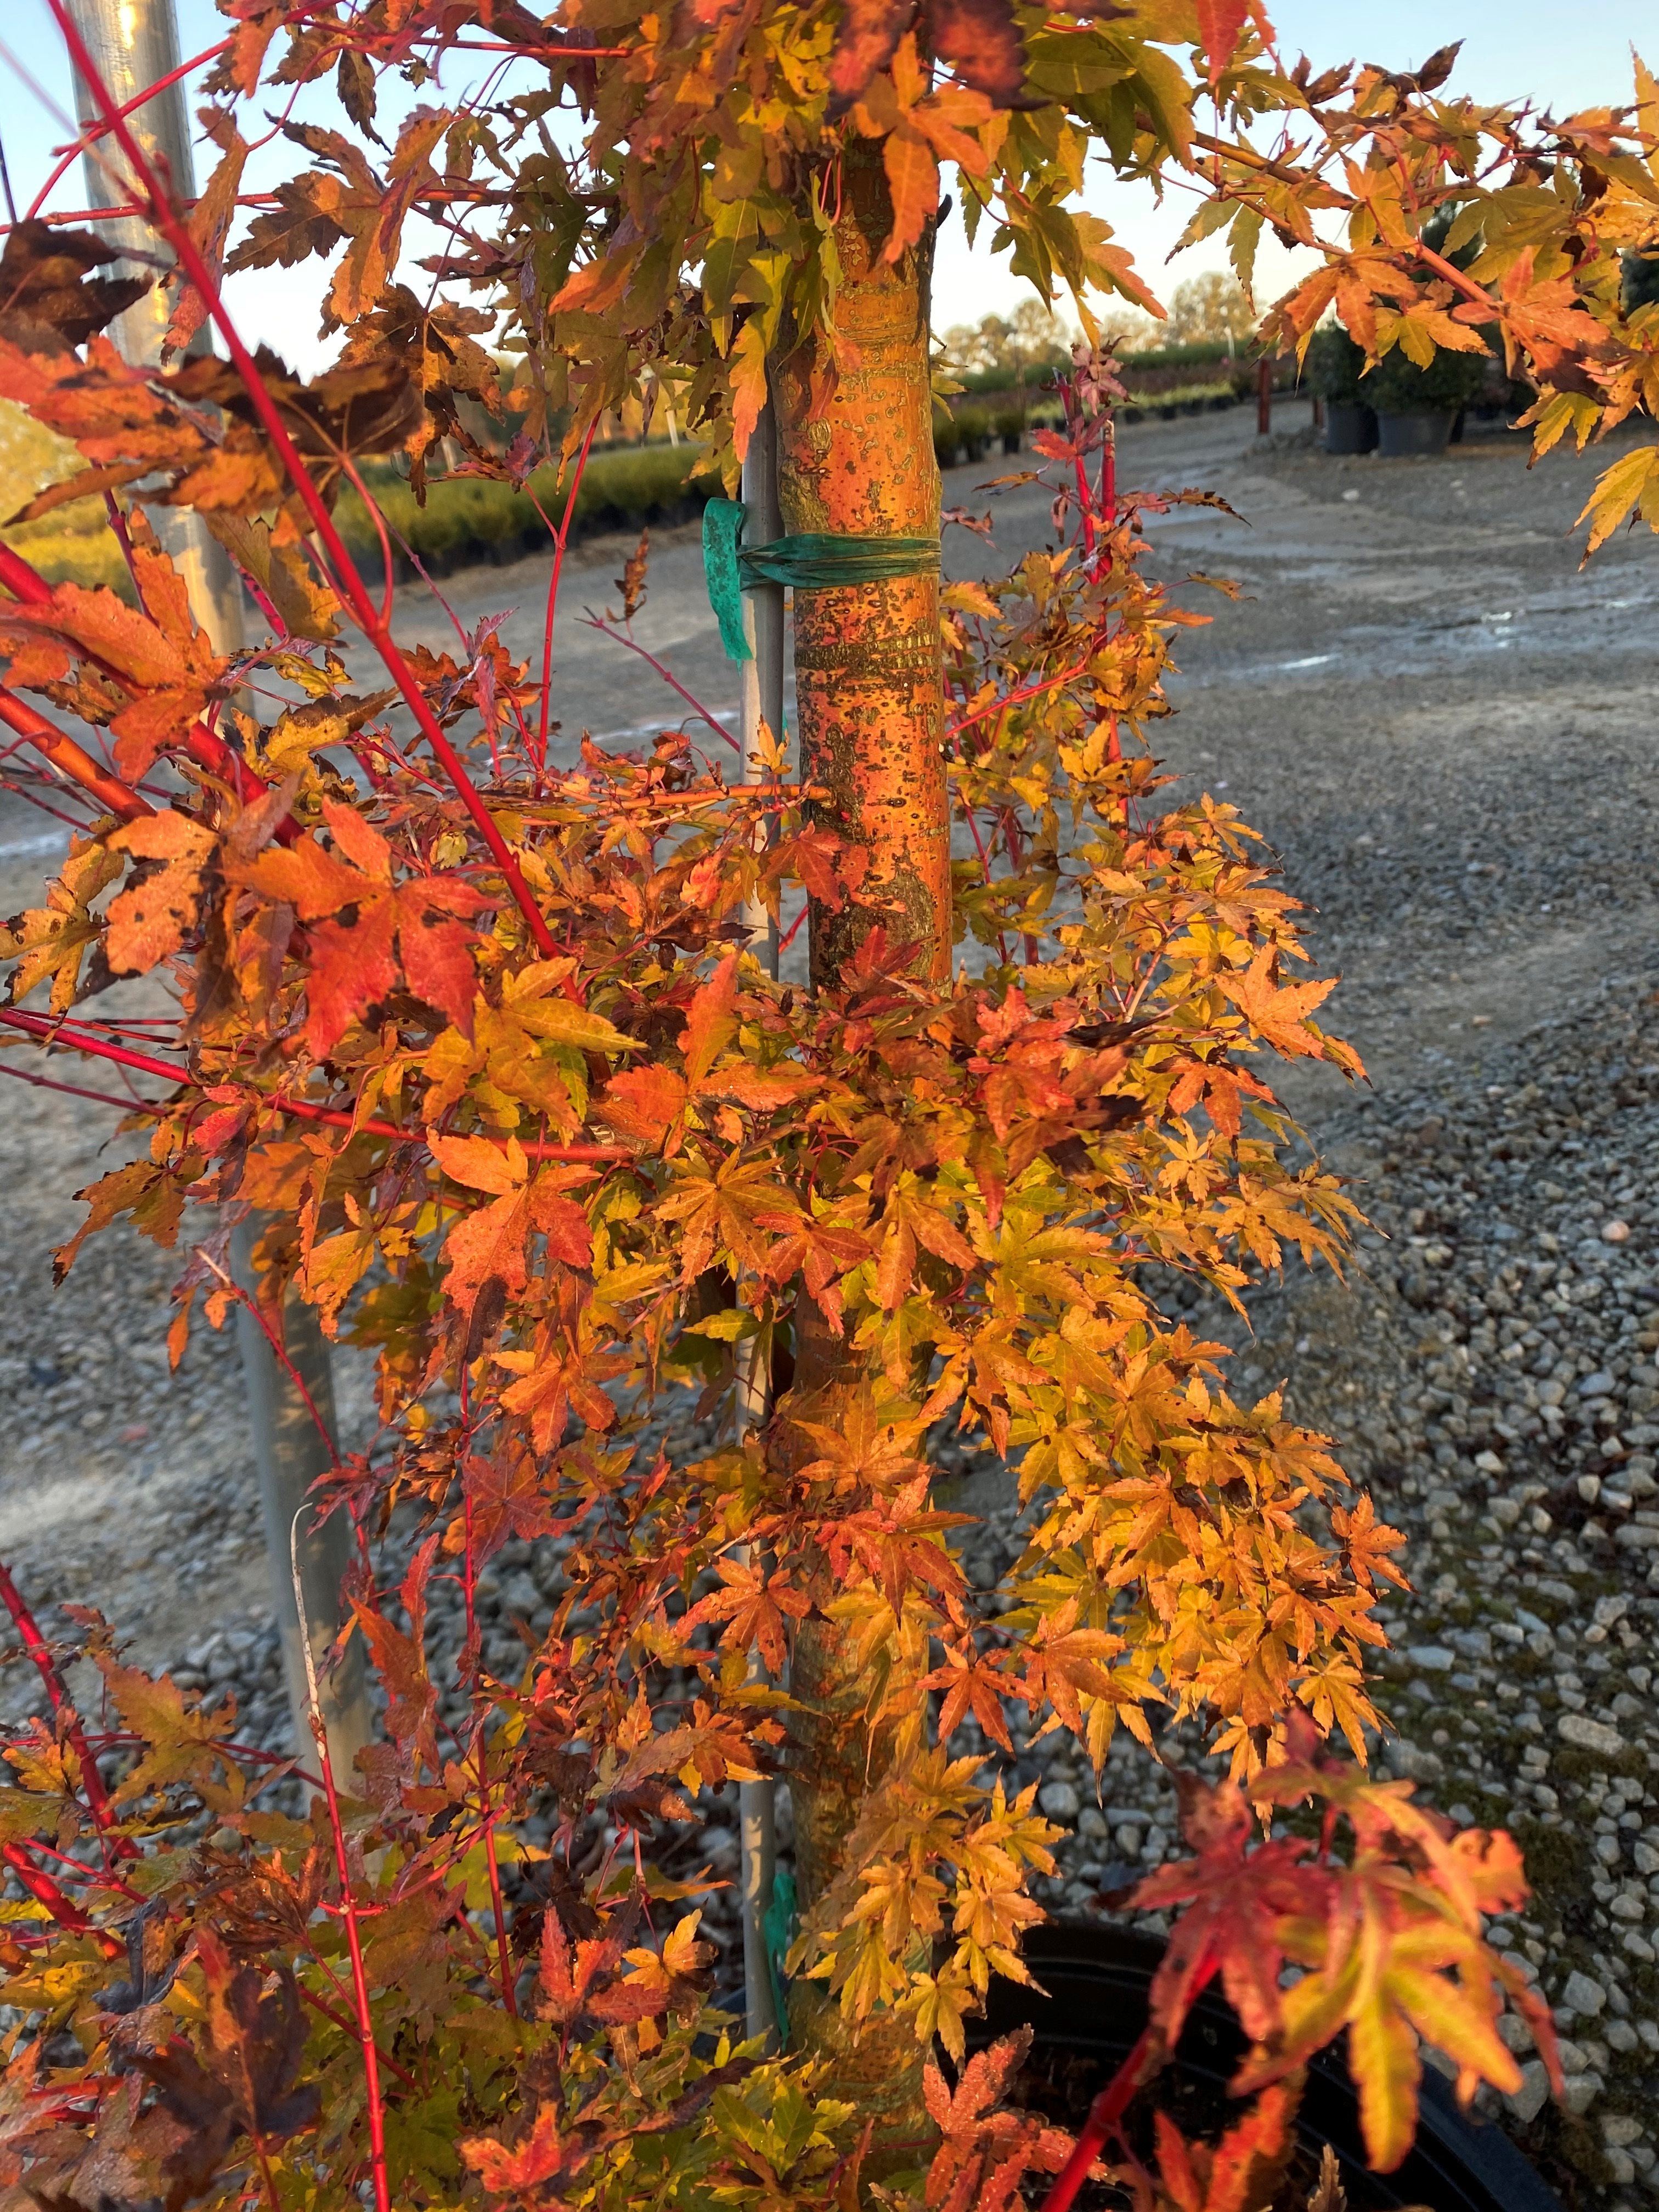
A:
x,y
606,630
71,759
560,539
44,1891
1109,2107
204,746
51,1030
322,2005
95,131
354,592
469,1588
74,1090
23,580
1014,698
1085,504
123,537
62,1704
279,1354
359,1977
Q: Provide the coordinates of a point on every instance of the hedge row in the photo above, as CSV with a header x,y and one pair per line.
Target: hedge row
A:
x,y
1148,368
467,519
73,545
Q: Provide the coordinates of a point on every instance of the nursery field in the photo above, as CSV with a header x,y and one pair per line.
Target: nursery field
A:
x,y
1445,731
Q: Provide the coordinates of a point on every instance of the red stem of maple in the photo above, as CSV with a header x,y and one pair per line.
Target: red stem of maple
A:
x,y
354,592
71,759
280,1355
321,2005
204,746
605,629
49,1030
73,1089
1014,698
63,1705
44,1891
102,1877
22,579
1454,276
359,1977
95,131
560,540
1109,2107
118,523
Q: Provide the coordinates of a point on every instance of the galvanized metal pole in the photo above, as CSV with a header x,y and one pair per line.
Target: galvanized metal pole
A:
x,y
134,44
762,701
289,1453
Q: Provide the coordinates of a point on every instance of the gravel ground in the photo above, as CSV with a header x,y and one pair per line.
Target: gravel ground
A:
x,y
1443,728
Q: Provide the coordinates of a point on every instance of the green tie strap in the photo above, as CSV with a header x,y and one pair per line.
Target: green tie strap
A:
x,y
722,534
812,561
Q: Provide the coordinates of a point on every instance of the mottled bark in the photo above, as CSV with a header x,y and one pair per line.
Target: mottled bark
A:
x,y
870,716
838,1759
867,668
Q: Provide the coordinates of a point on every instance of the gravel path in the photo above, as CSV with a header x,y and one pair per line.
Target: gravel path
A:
x,y
1443,729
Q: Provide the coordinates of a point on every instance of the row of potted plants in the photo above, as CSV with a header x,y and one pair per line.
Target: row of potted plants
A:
x,y
969,434
1398,410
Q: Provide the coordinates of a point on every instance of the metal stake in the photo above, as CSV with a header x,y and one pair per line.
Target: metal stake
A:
x,y
290,1454
763,700
135,43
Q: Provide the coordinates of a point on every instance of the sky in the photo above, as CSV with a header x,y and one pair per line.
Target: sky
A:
x,y
1513,49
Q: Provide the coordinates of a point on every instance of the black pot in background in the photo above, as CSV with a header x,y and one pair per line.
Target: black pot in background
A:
x,y
1350,428
1401,437
1097,1981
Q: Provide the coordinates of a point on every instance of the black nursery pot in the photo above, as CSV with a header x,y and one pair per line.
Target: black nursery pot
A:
x,y
1349,428
1407,437
1097,1981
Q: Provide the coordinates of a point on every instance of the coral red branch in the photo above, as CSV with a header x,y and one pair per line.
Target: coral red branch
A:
x,y
354,592
321,2005
1015,698
204,746
62,1704
23,581
279,1354
73,1089
561,537
49,1030
95,131
607,629
71,759
44,1891
1109,2106
370,2049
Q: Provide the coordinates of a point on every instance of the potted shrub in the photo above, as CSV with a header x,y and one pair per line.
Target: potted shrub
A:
x,y
1333,366
974,428
947,438
1417,408
1009,424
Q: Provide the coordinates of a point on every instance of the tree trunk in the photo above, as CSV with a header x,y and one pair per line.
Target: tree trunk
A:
x,y
870,712
869,695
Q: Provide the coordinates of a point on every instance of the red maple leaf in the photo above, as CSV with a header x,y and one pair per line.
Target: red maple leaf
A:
x,y
358,912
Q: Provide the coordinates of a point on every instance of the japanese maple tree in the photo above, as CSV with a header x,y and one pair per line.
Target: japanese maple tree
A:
x,y
483,1031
